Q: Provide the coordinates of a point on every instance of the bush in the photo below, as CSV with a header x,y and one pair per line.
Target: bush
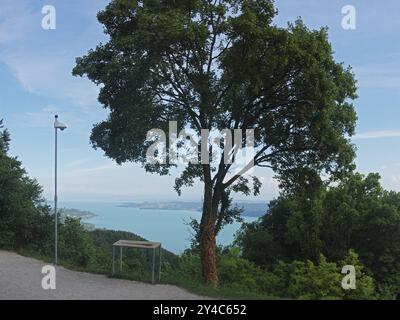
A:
x,y
305,280
365,288
75,246
241,274
238,278
293,280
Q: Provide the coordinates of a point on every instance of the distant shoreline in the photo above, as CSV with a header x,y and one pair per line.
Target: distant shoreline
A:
x,y
250,209
76,213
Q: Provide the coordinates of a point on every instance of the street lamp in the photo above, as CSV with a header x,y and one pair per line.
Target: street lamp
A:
x,y
62,127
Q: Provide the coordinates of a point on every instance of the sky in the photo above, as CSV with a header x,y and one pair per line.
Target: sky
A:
x,y
36,83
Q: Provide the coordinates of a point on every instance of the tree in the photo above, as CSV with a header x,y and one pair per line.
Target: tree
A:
x,y
4,139
25,219
292,228
216,65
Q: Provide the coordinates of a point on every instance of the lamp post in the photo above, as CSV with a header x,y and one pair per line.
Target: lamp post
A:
x,y
62,127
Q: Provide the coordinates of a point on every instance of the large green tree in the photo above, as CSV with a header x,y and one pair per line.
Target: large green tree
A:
x,y
215,64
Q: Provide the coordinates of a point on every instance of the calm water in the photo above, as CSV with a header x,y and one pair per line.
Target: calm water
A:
x,y
166,226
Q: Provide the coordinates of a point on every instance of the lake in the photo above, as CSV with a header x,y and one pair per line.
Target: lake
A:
x,y
166,226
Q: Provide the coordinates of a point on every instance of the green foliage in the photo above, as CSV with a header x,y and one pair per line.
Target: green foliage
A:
x,y
365,286
25,219
239,278
356,214
305,280
293,280
4,139
74,243
243,275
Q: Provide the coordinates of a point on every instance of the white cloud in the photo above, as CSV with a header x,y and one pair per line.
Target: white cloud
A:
x,y
40,118
392,182
396,179
15,20
380,77
77,163
377,134
82,171
44,118
42,62
50,75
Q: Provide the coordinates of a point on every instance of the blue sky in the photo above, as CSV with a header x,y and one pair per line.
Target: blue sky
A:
x,y
36,83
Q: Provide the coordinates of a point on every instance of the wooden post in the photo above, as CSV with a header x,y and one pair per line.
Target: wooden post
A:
x,y
113,260
159,267
120,259
154,262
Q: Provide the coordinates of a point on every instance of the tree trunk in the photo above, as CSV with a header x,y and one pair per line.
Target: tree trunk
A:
x,y
208,255
208,244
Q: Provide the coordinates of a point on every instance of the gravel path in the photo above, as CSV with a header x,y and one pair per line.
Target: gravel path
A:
x,y
21,278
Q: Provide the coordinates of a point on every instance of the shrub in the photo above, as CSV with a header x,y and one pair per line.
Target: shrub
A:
x,y
305,280
241,274
75,246
365,288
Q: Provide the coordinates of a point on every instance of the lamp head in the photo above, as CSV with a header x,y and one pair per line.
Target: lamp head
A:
x,y
58,124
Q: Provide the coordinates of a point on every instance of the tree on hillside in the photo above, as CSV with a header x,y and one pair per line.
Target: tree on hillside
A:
x,y
4,139
219,65
25,219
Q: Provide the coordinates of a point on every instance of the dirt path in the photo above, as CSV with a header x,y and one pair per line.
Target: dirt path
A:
x,y
21,278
